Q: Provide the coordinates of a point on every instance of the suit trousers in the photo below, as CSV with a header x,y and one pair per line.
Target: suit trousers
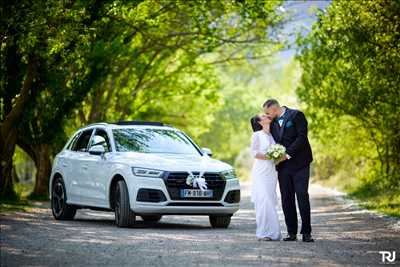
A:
x,y
294,184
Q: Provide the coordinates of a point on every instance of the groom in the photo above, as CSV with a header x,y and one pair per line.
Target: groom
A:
x,y
289,128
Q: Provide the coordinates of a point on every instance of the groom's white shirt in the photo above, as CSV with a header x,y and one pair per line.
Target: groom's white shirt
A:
x,y
280,121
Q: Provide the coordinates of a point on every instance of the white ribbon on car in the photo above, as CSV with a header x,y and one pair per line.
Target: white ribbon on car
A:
x,y
199,180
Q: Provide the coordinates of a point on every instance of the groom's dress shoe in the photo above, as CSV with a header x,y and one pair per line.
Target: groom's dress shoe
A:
x,y
307,238
290,237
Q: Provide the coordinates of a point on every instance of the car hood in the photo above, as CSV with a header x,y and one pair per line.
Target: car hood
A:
x,y
171,162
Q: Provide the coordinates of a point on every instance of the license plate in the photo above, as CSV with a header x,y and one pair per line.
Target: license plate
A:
x,y
196,193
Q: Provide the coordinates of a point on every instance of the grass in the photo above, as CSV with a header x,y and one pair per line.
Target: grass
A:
x,y
15,205
389,205
25,199
367,195
384,201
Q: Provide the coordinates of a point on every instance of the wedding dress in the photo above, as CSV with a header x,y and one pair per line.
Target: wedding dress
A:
x,y
264,180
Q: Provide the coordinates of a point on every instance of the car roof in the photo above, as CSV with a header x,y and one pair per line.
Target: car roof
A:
x,y
129,125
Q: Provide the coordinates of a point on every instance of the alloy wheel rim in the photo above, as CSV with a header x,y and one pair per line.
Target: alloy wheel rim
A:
x,y
117,205
58,198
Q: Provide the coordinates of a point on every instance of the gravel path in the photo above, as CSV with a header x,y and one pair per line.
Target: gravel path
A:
x,y
345,236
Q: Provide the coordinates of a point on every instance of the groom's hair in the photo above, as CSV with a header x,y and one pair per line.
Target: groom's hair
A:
x,y
270,102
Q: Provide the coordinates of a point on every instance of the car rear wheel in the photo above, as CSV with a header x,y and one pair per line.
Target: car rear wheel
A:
x,y
220,221
151,218
124,217
59,207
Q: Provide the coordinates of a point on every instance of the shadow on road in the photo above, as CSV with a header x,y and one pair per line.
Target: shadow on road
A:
x,y
345,235
139,224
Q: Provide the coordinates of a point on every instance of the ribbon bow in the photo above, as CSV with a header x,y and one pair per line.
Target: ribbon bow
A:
x,y
200,182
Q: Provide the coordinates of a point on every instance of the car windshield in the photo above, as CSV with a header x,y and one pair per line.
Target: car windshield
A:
x,y
152,141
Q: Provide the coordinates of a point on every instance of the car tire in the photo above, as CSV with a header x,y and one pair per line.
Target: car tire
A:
x,y
220,221
151,218
124,217
59,207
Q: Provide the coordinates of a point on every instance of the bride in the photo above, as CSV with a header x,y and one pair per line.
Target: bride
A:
x,y
264,181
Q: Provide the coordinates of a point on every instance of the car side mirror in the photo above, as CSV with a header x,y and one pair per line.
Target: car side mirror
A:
x,y
207,151
97,150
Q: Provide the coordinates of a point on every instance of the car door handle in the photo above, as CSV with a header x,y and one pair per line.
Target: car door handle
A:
x,y
64,164
85,167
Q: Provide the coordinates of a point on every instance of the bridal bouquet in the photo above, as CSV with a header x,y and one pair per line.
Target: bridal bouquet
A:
x,y
275,152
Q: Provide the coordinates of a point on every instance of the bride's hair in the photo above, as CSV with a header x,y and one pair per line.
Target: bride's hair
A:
x,y
255,125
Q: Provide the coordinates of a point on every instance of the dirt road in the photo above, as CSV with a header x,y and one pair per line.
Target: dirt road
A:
x,y
345,236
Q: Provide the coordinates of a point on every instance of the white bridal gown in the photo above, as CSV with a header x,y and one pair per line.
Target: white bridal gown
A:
x,y
264,179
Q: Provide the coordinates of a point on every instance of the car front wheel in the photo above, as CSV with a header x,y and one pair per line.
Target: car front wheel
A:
x,y
124,217
220,221
59,207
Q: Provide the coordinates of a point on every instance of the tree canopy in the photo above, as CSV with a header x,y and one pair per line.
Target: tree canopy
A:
x,y
69,63
350,85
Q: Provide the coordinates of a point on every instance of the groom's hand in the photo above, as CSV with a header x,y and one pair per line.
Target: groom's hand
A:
x,y
284,157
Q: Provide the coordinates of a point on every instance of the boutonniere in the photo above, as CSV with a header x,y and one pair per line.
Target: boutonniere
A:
x,y
289,124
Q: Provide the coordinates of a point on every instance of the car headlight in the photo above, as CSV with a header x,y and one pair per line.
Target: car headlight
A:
x,y
231,174
147,172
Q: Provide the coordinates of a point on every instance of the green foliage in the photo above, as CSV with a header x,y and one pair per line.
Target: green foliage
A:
x,y
116,60
165,73
245,88
23,190
171,78
12,206
350,85
24,166
388,203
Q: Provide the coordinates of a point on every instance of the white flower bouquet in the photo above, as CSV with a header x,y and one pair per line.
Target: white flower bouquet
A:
x,y
275,152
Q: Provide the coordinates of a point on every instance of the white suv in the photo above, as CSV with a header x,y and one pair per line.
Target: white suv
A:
x,y
141,168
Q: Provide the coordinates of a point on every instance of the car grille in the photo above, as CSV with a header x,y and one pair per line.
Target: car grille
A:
x,y
175,181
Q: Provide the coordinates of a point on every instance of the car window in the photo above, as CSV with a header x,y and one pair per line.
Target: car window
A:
x,y
101,138
73,141
153,141
83,140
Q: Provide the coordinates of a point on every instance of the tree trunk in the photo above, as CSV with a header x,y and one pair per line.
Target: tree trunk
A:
x,y
43,170
7,147
9,133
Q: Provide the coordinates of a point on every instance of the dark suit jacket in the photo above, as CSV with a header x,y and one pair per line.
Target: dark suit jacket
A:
x,y
293,136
